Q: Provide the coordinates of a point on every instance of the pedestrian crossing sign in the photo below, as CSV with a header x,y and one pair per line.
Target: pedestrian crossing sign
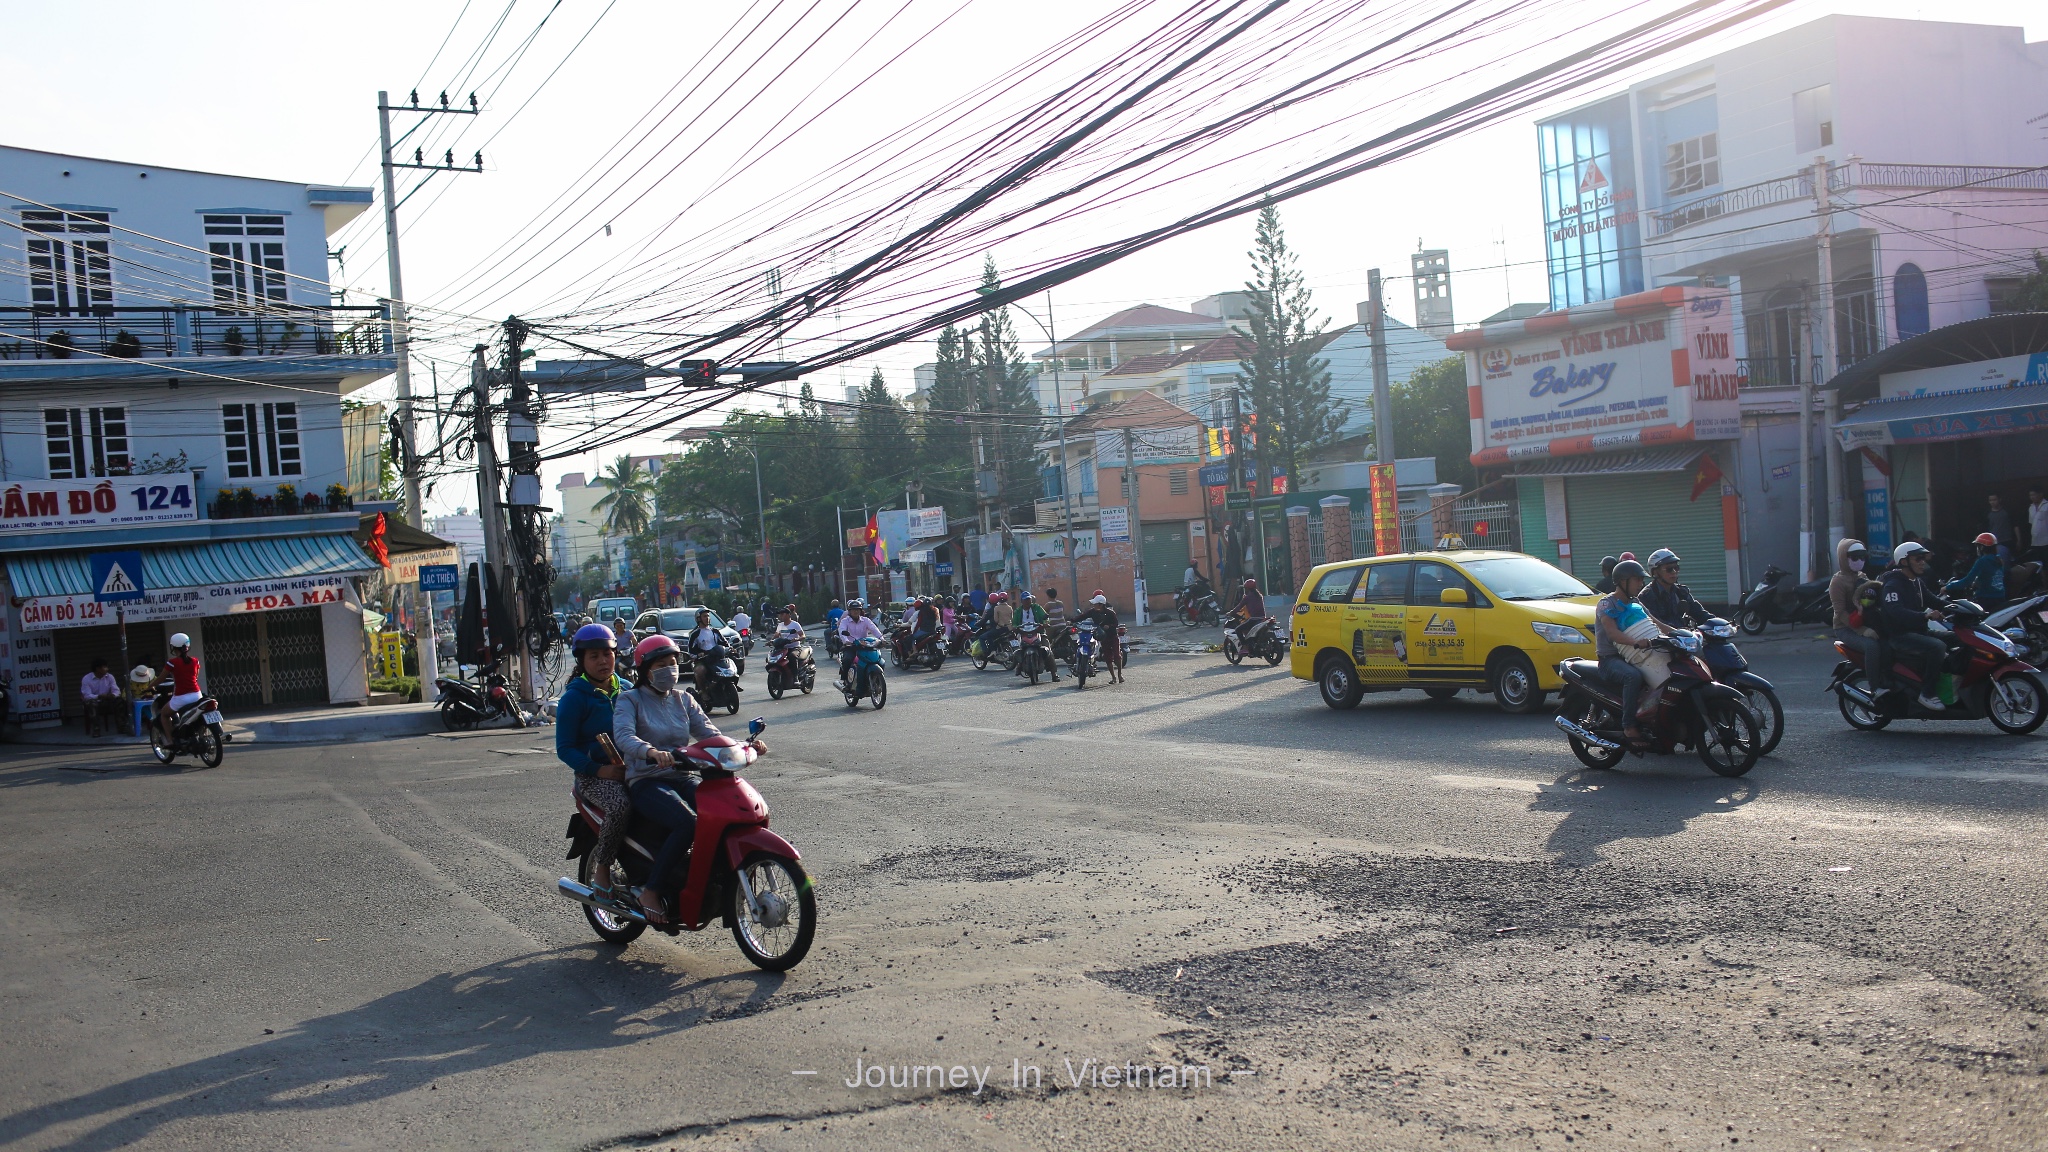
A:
x,y
116,576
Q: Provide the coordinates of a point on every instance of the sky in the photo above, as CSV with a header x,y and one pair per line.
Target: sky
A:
x,y
288,91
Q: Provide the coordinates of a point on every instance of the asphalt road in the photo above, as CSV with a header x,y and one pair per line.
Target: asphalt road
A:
x,y
1412,925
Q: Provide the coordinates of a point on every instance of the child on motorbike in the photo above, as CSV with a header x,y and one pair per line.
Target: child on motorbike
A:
x,y
1624,635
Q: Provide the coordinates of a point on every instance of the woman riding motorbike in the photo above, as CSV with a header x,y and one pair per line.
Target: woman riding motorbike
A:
x,y
1624,635
582,715
648,721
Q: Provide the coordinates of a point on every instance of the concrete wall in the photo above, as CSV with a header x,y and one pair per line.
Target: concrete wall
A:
x,y
341,630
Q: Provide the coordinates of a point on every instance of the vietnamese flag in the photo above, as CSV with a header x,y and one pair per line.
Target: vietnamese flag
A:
x,y
1706,476
380,547
875,542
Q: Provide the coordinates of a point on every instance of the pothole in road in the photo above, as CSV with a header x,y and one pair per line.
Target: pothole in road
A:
x,y
958,862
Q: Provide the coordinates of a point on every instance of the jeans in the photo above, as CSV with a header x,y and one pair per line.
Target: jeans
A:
x,y
671,804
1924,653
1857,642
1630,679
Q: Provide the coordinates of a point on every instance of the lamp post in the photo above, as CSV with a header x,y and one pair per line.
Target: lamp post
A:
x,y
1060,423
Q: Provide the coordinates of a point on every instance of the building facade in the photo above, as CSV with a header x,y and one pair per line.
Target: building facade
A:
x,y
172,378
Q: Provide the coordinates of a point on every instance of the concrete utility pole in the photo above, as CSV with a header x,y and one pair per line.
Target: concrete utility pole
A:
x,y
1830,357
1382,398
1136,528
487,496
1059,406
522,443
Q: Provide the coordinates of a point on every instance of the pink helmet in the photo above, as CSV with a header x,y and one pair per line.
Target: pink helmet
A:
x,y
645,652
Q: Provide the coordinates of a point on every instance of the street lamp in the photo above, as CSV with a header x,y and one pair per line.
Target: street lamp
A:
x,y
1060,422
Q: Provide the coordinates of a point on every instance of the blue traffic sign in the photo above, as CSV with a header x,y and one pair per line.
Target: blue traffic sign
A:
x,y
116,576
439,578
1215,475
944,568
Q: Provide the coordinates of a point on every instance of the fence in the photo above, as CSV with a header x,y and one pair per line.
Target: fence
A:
x,y
137,333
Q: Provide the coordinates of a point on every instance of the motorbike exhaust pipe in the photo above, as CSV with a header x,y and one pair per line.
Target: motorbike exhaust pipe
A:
x,y
582,894
1570,729
1856,694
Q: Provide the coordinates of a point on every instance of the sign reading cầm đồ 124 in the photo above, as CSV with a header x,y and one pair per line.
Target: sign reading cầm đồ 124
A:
x,y
54,505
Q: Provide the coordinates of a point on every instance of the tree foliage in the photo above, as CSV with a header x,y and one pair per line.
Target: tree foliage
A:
x,y
627,503
2032,295
1287,384
1007,397
1432,417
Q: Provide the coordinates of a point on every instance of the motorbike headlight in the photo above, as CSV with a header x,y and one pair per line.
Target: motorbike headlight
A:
x,y
1558,633
731,759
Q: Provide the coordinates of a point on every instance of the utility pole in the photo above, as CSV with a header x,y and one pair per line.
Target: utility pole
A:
x,y
401,341
487,498
522,444
1136,527
1829,355
1382,398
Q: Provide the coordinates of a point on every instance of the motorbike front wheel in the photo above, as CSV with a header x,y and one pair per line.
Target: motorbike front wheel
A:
x,y
1729,745
878,688
211,745
775,933
2017,703
1769,716
1231,651
1083,668
1752,622
774,684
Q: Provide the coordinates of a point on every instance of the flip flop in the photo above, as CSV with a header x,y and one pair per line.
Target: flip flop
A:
x,y
656,915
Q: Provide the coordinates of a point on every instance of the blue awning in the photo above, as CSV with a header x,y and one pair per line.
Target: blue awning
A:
x,y
207,565
1946,416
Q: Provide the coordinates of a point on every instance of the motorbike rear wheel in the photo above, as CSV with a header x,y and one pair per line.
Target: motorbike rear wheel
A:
x,y
1730,744
454,717
163,752
610,928
2017,704
1752,622
1589,713
212,747
784,886
1274,651
1863,718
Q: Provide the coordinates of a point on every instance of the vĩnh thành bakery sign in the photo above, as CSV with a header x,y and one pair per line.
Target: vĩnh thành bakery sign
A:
x,y
1657,367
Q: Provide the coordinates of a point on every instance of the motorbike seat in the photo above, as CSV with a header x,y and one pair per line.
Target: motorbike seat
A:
x,y
1586,669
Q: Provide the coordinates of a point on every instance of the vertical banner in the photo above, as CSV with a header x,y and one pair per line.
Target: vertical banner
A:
x,y
1386,511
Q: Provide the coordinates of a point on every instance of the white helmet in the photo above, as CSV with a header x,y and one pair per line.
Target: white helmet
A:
x,y
180,640
1900,553
1098,598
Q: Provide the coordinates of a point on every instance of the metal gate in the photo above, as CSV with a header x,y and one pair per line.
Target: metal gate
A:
x,y
234,660
267,658
298,656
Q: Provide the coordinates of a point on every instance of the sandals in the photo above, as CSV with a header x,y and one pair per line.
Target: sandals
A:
x,y
657,912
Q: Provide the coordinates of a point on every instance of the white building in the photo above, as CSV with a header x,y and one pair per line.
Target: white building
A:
x,y
171,381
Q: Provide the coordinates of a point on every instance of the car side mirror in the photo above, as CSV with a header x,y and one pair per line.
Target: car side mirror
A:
x,y
1453,596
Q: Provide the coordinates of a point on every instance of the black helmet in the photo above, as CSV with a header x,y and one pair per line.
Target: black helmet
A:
x,y
1607,564
1627,568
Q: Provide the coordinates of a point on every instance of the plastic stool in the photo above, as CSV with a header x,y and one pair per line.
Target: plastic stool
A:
x,y
143,709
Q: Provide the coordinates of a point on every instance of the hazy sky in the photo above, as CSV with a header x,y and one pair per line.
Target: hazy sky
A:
x,y
288,91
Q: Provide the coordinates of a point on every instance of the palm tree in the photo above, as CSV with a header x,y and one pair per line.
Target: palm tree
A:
x,y
628,497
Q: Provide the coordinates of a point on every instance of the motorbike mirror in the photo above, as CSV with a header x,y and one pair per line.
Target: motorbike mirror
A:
x,y
756,726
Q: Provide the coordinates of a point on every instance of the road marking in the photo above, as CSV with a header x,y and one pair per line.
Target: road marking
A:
x,y
804,1072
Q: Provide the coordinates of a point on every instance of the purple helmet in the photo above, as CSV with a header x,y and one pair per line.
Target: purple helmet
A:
x,y
593,636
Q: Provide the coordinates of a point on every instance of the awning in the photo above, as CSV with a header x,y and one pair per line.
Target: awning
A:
x,y
1613,463
1946,416
212,564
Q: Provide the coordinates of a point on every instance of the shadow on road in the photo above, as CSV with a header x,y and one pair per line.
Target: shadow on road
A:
x,y
584,998
1601,807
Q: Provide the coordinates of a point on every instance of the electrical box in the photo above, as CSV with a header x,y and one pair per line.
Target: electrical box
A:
x,y
521,430
525,491
985,485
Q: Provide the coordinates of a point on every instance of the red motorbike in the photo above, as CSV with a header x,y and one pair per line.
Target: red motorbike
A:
x,y
739,871
1985,677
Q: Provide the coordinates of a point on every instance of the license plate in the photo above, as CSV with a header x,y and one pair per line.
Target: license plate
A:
x,y
213,718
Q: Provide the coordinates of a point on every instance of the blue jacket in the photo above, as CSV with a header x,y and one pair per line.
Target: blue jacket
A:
x,y
1984,582
584,711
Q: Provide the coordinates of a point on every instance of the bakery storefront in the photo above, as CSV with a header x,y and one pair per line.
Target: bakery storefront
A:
x,y
1613,425
271,605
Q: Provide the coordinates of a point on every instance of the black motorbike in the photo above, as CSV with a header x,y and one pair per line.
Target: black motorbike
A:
x,y
1776,599
1691,710
465,705
1261,639
1197,606
1730,668
196,730
791,666
1034,656
721,685
928,651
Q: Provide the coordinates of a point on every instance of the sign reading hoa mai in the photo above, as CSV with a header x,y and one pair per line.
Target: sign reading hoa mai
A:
x,y
43,612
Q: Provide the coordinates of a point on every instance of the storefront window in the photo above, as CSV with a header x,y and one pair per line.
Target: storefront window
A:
x,y
1909,301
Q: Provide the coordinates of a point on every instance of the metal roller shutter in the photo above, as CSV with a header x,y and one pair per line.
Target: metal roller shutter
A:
x,y
1165,556
1641,512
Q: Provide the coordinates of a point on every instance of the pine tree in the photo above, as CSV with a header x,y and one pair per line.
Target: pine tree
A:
x,y
1008,397
884,429
1287,384
947,432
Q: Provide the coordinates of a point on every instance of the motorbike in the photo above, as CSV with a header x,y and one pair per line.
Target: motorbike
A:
x,y
868,682
833,644
1083,659
1983,678
2025,623
739,872
1033,658
1262,638
746,646
925,652
195,730
721,688
1197,607
1731,668
998,646
1776,600
960,634
1691,710
791,666
464,705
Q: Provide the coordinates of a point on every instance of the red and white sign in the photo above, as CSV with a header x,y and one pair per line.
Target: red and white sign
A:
x,y
1653,368
45,612
53,505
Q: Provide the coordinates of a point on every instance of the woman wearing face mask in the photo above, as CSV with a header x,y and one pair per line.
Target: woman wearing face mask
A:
x,y
647,722
1850,556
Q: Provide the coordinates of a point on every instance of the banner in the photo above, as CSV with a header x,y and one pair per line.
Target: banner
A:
x,y
47,505
1116,523
1386,511
45,612
926,523
405,566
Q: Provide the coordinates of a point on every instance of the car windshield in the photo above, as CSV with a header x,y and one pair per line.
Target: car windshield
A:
x,y
1525,578
684,619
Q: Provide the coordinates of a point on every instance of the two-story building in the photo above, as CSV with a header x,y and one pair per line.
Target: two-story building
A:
x,y
172,382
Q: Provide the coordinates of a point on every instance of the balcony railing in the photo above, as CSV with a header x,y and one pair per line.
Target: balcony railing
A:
x,y
1048,513
154,333
1798,187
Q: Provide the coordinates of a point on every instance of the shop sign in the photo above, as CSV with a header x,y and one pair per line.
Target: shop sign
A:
x,y
439,578
50,505
1176,445
944,568
1612,383
405,566
926,523
1386,511
35,678
82,611
391,654
1955,426
2009,372
1116,522
1214,475
1048,545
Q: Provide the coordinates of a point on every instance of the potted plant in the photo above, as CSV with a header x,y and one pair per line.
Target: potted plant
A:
x,y
312,503
338,499
124,345
245,501
61,344
287,498
232,340
266,505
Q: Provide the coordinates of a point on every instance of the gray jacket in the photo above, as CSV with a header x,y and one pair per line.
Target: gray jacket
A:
x,y
643,720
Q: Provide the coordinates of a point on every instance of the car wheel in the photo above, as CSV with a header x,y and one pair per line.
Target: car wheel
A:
x,y
1514,685
1338,682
